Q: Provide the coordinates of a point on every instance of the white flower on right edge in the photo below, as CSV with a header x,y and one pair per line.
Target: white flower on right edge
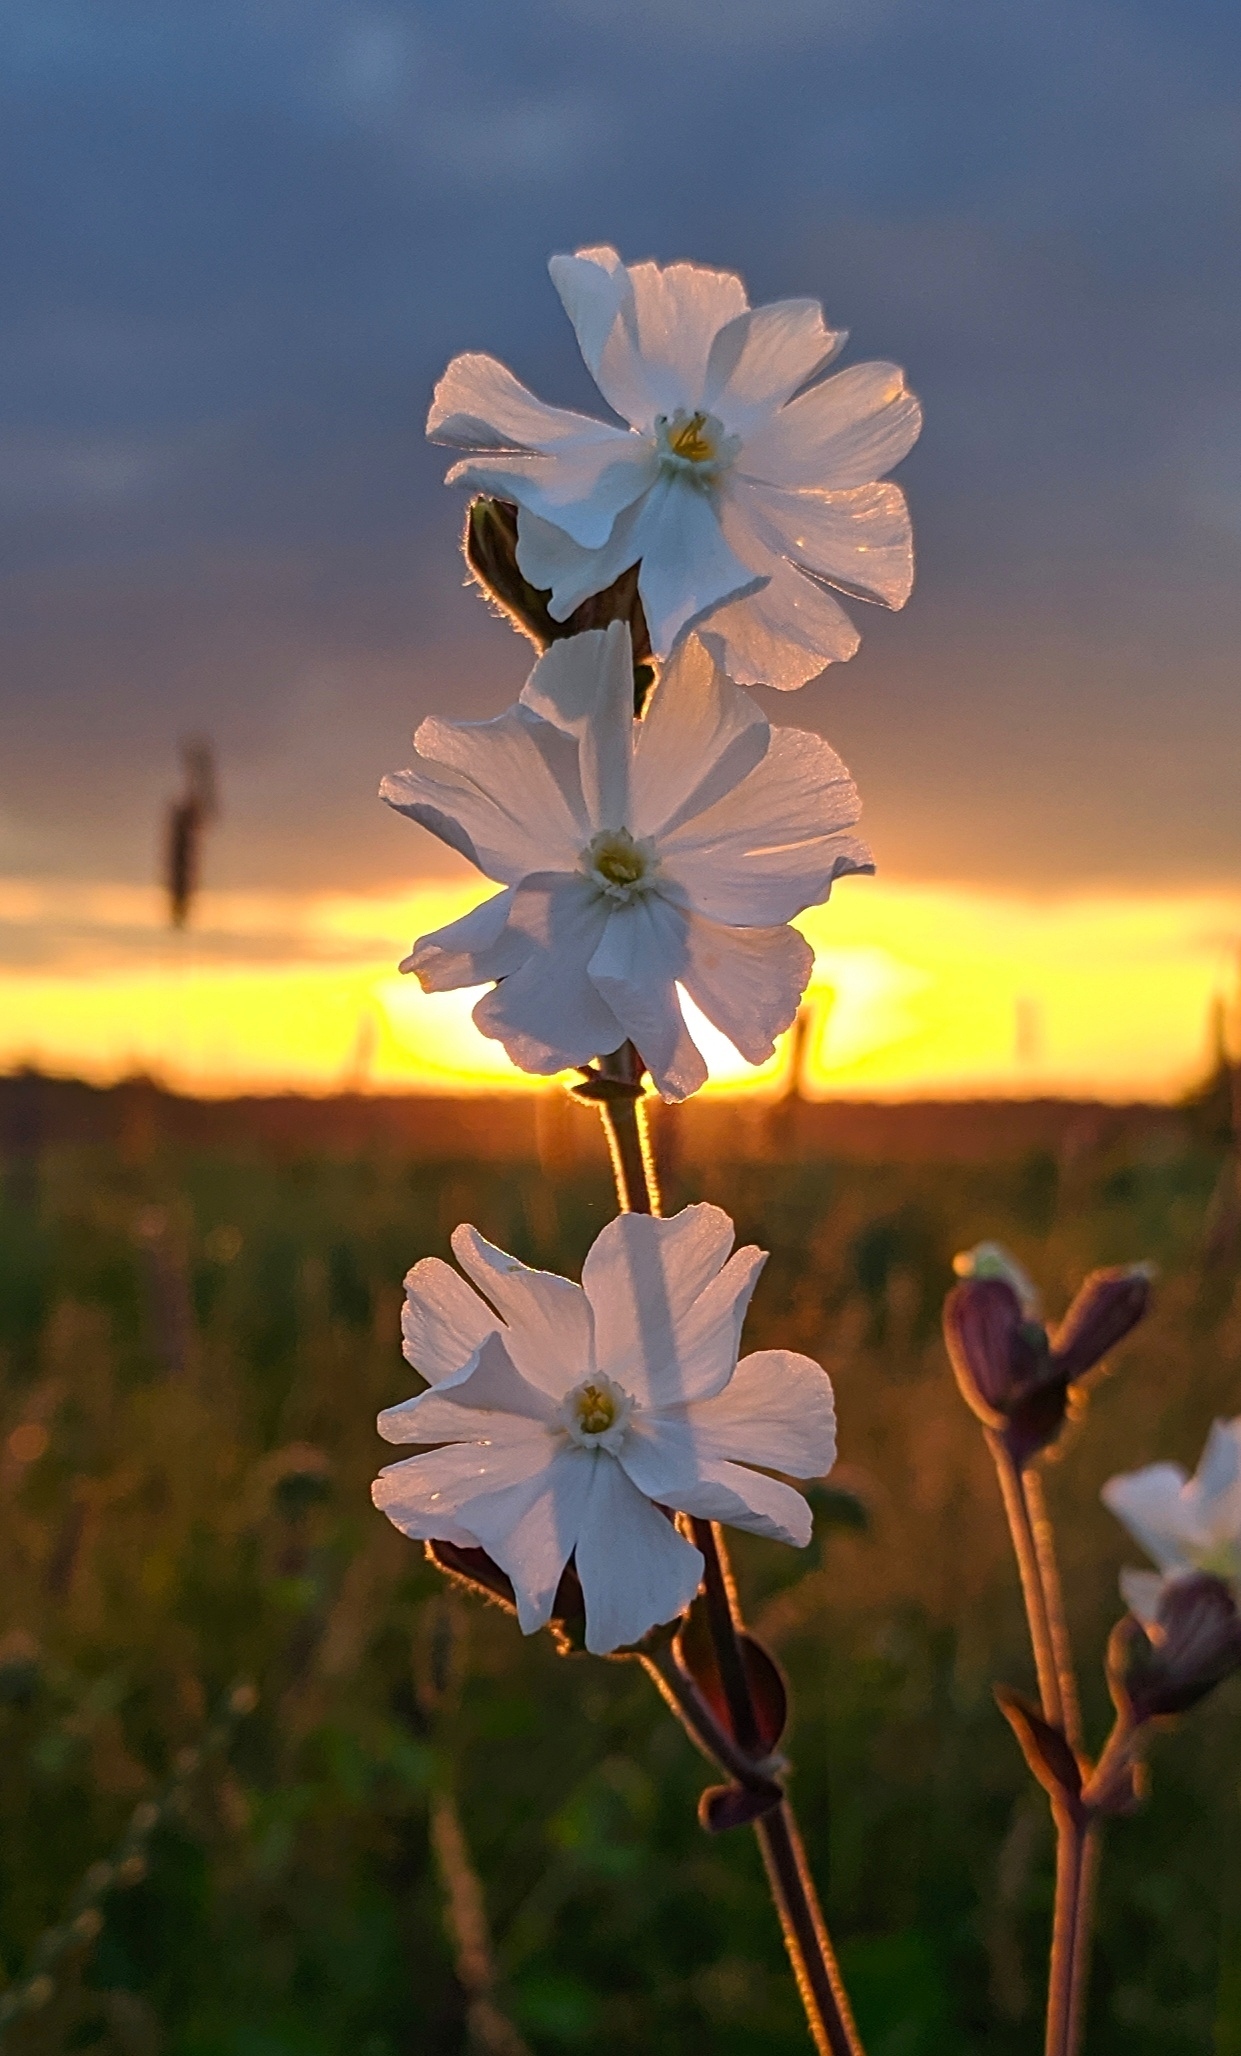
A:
x,y
567,1420
635,855
1184,1524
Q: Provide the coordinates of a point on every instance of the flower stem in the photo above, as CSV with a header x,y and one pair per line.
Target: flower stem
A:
x,y
1077,1836
1077,1848
616,1084
1053,1603
1021,1529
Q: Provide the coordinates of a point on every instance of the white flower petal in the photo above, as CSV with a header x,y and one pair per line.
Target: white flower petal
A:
x,y
760,358
1142,1592
552,562
688,567
699,738
847,431
661,1459
860,540
507,791
433,1495
783,635
667,1303
564,466
1219,1469
776,1410
1156,1506
774,844
531,1536
477,1401
748,981
636,1570
548,1328
681,309
598,298
548,1014
442,1321
584,687
467,952
639,958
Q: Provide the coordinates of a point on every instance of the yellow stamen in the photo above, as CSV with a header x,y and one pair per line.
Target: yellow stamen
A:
x,y
690,443
596,1409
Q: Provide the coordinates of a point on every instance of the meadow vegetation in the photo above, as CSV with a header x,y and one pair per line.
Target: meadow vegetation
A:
x,y
224,1676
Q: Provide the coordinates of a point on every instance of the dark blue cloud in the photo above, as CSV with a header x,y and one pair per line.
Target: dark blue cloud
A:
x,y
241,241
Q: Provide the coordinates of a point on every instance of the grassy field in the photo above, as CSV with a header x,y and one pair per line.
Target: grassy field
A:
x,y
194,1343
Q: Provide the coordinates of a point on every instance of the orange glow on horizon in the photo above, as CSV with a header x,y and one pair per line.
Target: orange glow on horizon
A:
x,y
917,990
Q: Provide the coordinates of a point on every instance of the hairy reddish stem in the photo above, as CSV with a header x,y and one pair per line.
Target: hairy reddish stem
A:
x,y
828,2013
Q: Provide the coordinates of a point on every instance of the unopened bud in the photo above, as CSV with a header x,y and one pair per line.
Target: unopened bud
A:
x,y
992,1260
1108,1304
1192,1646
998,1355
1010,1371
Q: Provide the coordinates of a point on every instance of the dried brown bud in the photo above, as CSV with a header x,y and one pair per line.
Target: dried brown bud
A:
x,y
1192,1646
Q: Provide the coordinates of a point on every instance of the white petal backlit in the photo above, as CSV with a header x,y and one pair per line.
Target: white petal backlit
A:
x,y
442,1321
563,466
668,1303
548,1328
860,541
760,358
776,1410
584,687
1160,1512
490,1384
548,1014
635,966
848,431
688,565
636,1571
786,634
747,981
511,784
481,945
773,845
700,737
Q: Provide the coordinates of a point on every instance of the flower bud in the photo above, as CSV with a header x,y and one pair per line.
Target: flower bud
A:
x,y
1108,1304
998,1355
1192,1646
1011,1373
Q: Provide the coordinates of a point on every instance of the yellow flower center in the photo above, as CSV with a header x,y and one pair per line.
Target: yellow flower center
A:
x,y
689,442
696,445
596,1414
596,1409
620,864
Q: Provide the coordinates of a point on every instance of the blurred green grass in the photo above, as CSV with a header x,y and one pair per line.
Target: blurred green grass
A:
x,y
194,1344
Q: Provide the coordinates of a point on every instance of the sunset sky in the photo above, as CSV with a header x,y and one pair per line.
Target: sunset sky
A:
x,y
242,242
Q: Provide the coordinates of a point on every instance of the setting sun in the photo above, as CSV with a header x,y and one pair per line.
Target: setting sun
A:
x,y
916,990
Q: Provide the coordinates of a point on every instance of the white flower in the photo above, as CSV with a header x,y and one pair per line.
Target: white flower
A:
x,y
1184,1524
566,1416
739,484
634,855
